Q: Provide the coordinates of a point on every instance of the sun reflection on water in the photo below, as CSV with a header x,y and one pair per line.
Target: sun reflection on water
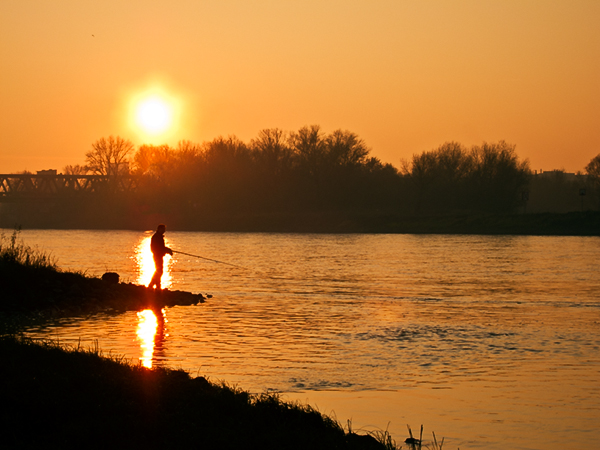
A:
x,y
145,264
151,324
150,333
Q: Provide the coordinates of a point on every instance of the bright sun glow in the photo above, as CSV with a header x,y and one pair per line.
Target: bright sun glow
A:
x,y
154,115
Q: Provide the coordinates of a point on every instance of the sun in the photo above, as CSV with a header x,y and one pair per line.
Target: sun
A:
x,y
154,115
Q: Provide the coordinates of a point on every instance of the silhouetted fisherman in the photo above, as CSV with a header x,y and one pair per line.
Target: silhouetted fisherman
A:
x,y
159,250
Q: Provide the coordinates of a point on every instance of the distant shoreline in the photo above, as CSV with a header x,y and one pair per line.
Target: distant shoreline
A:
x,y
586,223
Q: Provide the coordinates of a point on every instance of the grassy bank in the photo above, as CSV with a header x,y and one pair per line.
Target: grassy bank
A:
x,y
57,398
33,286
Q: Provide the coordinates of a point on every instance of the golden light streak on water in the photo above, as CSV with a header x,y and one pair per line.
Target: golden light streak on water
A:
x,y
145,264
146,331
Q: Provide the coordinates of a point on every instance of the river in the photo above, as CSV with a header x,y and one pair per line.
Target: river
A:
x,y
491,342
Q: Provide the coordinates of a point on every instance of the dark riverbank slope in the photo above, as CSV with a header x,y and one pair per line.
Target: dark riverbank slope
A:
x,y
57,398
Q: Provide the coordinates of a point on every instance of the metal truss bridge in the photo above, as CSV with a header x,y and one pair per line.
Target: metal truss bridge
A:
x,y
18,187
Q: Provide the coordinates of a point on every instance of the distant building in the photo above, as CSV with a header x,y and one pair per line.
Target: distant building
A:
x,y
558,191
47,172
566,176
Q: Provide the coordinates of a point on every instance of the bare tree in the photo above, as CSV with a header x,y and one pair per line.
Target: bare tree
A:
x,y
187,150
308,145
271,150
75,170
488,177
498,176
109,156
153,160
346,149
438,176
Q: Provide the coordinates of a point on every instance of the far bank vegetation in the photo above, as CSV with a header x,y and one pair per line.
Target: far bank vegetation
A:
x,y
309,173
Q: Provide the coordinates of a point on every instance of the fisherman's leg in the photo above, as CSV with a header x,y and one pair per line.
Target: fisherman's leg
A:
x,y
158,264
153,281
159,272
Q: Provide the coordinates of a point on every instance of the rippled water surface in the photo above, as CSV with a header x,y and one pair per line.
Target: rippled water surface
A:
x,y
490,341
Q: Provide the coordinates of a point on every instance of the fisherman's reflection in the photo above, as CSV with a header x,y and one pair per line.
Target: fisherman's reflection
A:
x,y
160,337
152,333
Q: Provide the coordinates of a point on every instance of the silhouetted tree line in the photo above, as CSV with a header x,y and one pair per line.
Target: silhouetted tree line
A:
x,y
488,178
306,170
309,171
308,174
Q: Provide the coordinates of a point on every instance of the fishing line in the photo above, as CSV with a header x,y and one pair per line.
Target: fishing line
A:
x,y
209,259
262,275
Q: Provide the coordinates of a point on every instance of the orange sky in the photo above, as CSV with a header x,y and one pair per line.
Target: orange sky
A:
x,y
406,76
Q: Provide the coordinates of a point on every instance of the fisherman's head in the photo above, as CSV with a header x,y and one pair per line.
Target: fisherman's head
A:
x,y
161,228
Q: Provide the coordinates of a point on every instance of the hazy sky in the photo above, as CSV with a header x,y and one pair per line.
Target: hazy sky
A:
x,y
406,76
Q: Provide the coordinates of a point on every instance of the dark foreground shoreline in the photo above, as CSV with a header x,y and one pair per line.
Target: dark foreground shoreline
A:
x,y
56,397
59,398
48,292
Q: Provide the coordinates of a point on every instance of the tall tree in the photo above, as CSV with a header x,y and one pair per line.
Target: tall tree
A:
x,y
227,166
271,151
438,176
152,160
273,169
308,146
109,156
592,170
489,177
498,176
345,149
75,169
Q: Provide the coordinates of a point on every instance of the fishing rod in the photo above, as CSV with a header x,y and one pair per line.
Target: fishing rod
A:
x,y
208,259
223,262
